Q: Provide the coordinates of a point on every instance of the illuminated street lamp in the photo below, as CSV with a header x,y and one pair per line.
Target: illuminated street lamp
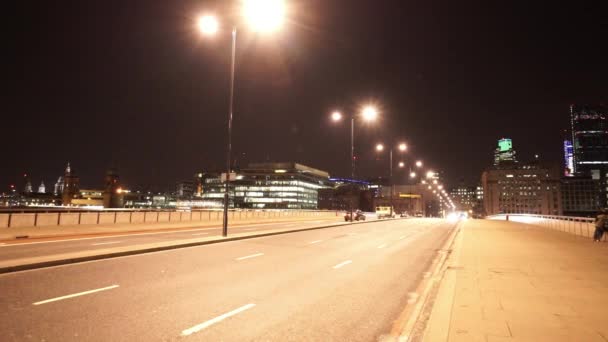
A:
x,y
402,147
379,147
262,16
401,164
368,113
419,164
430,174
413,175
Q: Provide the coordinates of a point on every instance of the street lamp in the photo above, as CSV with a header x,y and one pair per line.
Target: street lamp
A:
x,y
402,147
368,113
419,164
262,16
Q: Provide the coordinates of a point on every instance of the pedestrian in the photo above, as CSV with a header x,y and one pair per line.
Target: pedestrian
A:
x,y
601,221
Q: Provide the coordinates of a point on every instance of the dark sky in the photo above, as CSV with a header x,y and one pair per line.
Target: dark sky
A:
x,y
132,85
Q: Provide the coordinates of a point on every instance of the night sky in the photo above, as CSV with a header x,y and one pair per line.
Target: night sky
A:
x,y
132,85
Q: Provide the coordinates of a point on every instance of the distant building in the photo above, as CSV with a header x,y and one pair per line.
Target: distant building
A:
x,y
186,189
468,198
504,153
589,128
41,188
521,189
267,186
113,193
71,186
59,185
580,196
568,158
28,187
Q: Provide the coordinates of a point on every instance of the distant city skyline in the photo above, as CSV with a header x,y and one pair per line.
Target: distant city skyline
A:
x,y
135,88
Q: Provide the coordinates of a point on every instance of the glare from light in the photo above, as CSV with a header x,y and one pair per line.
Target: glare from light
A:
x,y
423,181
401,164
430,174
208,24
440,187
370,113
379,147
434,181
413,175
402,147
264,15
419,163
336,116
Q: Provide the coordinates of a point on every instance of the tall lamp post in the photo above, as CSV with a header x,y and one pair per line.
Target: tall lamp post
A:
x,y
262,16
402,148
368,113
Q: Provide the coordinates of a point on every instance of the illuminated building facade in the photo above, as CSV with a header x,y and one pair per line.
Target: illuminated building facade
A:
x,y
504,153
521,189
266,186
589,127
580,196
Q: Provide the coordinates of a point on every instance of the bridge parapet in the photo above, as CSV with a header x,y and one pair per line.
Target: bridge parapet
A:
x,y
580,226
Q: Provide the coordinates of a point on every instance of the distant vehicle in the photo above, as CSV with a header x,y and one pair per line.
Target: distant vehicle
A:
x,y
404,214
385,212
358,215
418,214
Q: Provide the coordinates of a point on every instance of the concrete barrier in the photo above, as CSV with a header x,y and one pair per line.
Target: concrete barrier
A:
x,y
88,218
123,217
22,220
175,216
163,216
69,219
151,216
47,219
4,220
138,217
106,218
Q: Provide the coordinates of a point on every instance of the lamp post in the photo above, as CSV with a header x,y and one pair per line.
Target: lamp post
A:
x,y
262,15
402,148
368,113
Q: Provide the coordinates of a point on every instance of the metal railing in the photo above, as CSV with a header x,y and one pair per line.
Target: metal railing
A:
x,y
579,226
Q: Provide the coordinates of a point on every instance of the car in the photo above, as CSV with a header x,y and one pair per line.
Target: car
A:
x,y
418,214
404,214
358,216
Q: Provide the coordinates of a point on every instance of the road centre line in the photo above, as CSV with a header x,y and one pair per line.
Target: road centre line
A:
x,y
217,319
105,243
250,256
316,241
75,295
199,234
343,264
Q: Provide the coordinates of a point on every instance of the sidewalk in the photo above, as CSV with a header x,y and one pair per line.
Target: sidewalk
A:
x,y
508,281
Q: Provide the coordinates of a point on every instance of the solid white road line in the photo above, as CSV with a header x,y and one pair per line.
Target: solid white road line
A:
x,y
200,234
316,241
250,256
75,295
105,243
382,246
217,319
343,264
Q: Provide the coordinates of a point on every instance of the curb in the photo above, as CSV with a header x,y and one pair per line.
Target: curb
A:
x,y
60,262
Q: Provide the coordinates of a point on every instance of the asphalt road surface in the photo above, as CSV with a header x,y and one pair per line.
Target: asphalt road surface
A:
x,y
348,283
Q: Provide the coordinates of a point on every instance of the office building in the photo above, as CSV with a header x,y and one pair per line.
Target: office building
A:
x,y
504,153
266,186
580,196
521,188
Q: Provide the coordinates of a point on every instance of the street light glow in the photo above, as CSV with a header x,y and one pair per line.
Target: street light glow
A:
x,y
336,116
370,113
401,164
402,147
208,24
379,147
430,174
413,175
419,163
264,15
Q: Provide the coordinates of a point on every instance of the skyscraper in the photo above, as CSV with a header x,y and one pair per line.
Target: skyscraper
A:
x,y
504,153
589,127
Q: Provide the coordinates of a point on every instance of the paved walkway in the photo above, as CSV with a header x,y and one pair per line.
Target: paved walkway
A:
x,y
508,281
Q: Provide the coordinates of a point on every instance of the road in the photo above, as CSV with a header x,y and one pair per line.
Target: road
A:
x,y
348,283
